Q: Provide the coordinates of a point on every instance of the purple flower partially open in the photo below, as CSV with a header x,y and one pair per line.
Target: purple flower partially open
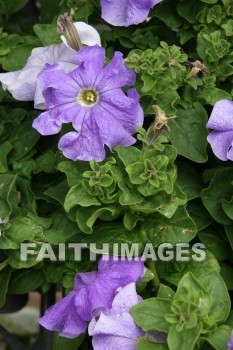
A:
x,y
126,12
221,122
92,290
115,328
22,84
91,98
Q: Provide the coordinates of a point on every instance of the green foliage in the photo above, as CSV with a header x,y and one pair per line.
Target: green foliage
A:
x,y
193,313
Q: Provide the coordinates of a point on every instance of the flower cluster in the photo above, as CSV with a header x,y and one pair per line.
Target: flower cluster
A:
x,y
95,299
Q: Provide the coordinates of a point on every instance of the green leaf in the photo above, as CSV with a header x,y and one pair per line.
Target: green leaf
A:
x,y
219,337
21,229
24,281
189,134
27,197
73,171
49,10
189,180
179,228
127,195
114,232
147,277
229,233
47,33
168,14
199,214
185,339
221,304
62,343
5,276
58,192
5,148
174,271
144,344
77,195
211,95
210,1
162,203
8,7
61,228
229,321
191,12
128,155
86,217
22,145
165,292
214,243
8,195
16,262
150,314
189,286
211,47
228,207
227,273
17,58
217,192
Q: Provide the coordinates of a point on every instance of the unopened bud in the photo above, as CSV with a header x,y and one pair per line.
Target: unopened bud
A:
x,y
65,26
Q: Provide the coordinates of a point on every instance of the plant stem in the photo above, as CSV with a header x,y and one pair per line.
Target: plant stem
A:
x,y
151,265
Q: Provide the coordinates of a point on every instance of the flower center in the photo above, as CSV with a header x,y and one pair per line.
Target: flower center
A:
x,y
87,97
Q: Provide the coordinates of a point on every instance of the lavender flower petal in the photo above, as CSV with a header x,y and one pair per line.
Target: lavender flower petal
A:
x,y
115,75
126,12
58,88
64,317
92,63
112,275
125,109
230,343
221,118
85,144
220,143
115,328
221,122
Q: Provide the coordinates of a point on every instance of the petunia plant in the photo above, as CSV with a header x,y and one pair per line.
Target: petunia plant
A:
x,y
116,133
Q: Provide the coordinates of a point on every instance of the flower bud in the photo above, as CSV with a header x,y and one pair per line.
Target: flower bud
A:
x,y
65,26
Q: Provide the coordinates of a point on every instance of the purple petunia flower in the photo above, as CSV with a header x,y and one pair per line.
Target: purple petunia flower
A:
x,y
230,343
22,84
91,98
126,12
115,328
92,290
221,122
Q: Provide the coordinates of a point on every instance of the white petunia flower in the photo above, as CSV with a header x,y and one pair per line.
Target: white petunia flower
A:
x,y
22,84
